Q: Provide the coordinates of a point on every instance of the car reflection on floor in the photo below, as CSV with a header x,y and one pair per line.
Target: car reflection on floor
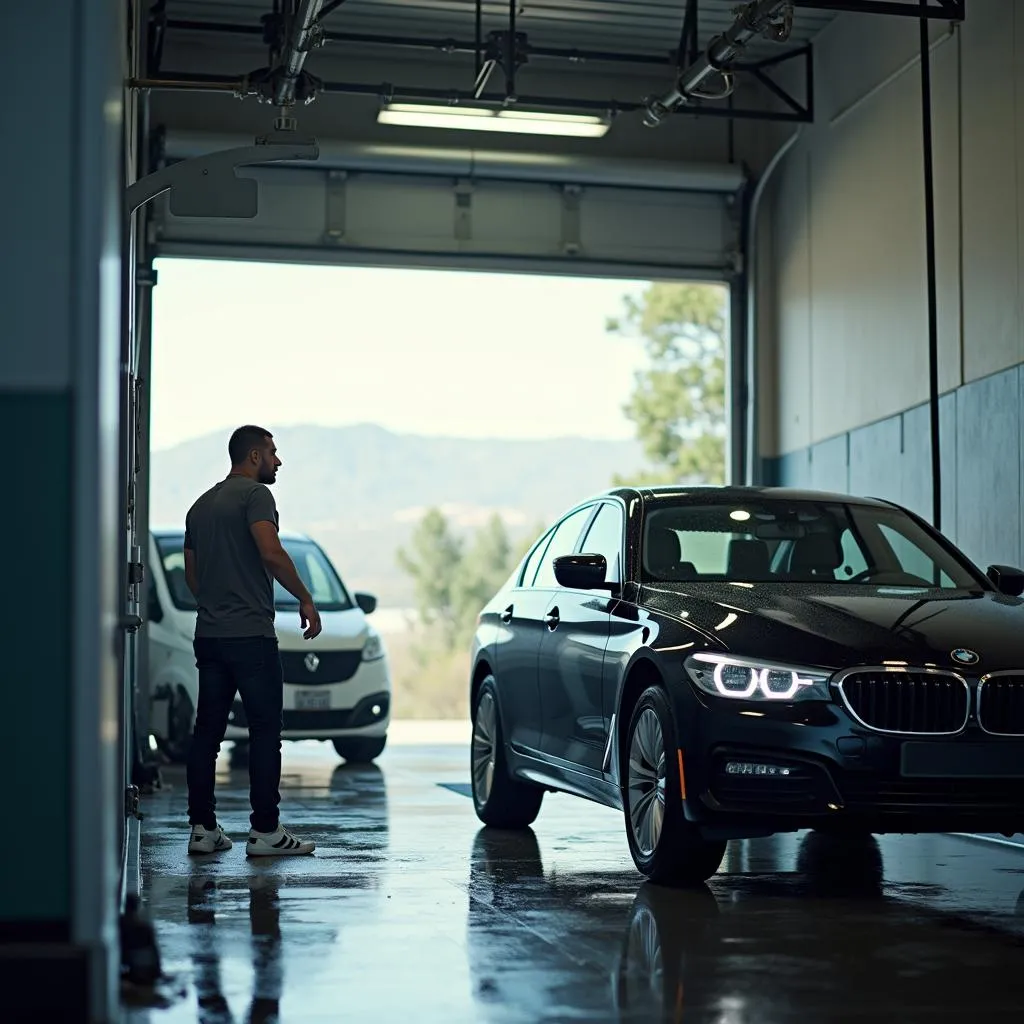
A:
x,y
830,941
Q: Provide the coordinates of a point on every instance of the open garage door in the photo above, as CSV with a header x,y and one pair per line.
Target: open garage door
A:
x,y
375,205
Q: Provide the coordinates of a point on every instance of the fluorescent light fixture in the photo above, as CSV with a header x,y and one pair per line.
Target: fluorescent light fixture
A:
x,y
482,119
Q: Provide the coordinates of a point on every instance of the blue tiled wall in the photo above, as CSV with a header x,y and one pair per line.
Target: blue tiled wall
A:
x,y
981,426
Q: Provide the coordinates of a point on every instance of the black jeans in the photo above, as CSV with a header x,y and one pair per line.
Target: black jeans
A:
x,y
251,667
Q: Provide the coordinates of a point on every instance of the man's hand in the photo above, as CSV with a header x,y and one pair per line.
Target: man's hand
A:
x,y
310,618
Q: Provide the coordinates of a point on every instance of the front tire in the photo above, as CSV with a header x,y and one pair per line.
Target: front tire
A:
x,y
360,749
499,799
664,845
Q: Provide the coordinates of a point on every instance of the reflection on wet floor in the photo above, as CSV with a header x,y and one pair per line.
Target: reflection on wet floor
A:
x,y
410,910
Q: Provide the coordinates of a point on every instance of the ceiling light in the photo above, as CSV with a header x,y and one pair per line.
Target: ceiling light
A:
x,y
740,515
483,119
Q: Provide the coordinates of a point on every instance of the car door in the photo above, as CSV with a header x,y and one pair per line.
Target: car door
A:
x,y
572,651
523,627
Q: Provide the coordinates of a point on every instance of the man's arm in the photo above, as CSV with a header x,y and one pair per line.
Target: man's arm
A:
x,y
261,512
191,576
278,561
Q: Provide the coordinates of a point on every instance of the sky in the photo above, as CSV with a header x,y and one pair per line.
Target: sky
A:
x,y
439,353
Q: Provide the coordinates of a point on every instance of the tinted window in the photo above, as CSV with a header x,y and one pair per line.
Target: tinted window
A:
x,y
910,558
562,543
312,565
605,538
796,542
854,561
530,569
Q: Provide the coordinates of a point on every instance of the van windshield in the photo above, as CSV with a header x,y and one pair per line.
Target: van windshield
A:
x,y
313,566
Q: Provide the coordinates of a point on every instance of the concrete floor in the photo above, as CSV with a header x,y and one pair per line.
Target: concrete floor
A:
x,y
408,911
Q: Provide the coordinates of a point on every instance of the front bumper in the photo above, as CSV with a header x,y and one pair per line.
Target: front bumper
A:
x,y
813,766
360,706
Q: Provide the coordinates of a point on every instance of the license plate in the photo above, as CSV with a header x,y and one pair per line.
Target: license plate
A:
x,y
312,700
925,760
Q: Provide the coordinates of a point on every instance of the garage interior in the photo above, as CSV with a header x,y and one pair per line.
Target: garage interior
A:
x,y
858,181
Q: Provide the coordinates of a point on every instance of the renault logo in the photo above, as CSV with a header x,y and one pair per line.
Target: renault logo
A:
x,y
312,662
965,657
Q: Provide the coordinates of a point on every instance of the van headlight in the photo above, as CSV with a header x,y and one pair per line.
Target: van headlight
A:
x,y
373,649
724,675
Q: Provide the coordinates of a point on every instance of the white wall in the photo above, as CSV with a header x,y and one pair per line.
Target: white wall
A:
x,y
844,341
849,338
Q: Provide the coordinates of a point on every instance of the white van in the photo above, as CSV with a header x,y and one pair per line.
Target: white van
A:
x,y
336,687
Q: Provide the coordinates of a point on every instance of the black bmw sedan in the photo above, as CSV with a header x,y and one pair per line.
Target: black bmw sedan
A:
x,y
725,663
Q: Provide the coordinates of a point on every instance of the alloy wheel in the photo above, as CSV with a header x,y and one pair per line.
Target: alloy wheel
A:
x,y
647,782
485,729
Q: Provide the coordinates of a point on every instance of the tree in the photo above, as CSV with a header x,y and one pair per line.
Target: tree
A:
x,y
678,402
434,563
485,567
454,578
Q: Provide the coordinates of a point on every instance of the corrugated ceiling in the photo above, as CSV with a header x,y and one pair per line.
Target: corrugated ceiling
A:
x,y
635,26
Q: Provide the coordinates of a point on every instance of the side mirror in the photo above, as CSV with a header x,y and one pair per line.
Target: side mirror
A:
x,y
581,572
1007,580
367,602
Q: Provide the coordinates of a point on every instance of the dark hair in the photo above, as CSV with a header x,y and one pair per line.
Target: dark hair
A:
x,y
244,439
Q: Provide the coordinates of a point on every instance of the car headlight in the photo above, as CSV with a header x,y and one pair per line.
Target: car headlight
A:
x,y
724,675
373,650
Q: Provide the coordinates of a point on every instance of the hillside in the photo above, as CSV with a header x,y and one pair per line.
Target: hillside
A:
x,y
361,490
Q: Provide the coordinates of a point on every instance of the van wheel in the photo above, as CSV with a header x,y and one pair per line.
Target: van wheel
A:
x,y
360,749
180,722
499,799
665,846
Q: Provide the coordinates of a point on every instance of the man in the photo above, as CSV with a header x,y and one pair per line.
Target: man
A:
x,y
232,556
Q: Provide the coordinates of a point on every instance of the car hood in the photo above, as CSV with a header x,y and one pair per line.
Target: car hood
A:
x,y
844,624
342,631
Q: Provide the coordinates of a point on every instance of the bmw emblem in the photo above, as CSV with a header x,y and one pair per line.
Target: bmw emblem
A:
x,y
962,656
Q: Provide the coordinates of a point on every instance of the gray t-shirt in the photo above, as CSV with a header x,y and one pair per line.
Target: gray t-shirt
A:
x,y
236,592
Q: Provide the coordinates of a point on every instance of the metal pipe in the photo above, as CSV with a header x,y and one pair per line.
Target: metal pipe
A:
x,y
242,87
479,37
753,474
751,20
420,43
201,83
891,8
302,32
510,67
929,218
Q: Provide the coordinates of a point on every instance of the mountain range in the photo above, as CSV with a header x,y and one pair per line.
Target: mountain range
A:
x,y
360,490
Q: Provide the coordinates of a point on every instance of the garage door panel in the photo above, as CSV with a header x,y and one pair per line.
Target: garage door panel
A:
x,y
311,213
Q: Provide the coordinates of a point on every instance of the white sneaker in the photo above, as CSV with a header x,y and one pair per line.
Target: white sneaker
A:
x,y
204,840
280,843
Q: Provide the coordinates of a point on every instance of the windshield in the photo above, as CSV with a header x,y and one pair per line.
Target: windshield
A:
x,y
312,565
775,541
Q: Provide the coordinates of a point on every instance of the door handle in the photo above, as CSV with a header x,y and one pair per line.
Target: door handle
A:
x,y
552,619
506,615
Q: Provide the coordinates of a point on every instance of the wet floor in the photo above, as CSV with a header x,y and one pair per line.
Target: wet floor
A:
x,y
408,911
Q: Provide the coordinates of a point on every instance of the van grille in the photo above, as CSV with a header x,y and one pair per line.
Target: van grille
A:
x,y
331,666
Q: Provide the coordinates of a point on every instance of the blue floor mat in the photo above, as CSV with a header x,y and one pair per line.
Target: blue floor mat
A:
x,y
462,788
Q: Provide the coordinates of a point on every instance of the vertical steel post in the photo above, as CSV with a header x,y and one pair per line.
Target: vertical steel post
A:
x,y
929,215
